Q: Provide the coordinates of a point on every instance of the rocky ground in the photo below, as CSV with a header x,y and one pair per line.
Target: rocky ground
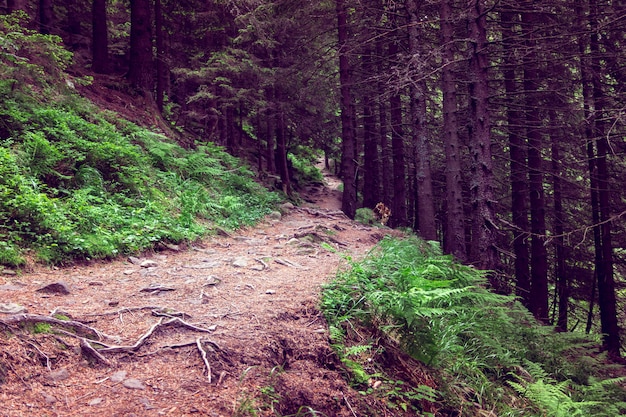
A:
x,y
226,327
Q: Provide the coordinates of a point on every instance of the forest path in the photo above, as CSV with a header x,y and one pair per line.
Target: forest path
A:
x,y
254,293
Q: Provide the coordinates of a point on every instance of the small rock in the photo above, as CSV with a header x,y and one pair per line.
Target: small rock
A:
x,y
49,399
134,261
132,383
293,241
113,303
154,287
240,262
275,215
270,292
95,401
59,287
146,403
60,375
148,263
129,272
212,280
203,265
96,283
173,247
9,272
118,376
286,206
12,308
10,287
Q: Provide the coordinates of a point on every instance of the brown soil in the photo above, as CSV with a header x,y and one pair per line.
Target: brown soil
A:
x,y
266,342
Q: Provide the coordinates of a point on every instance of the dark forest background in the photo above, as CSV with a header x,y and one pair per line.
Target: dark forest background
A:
x,y
496,128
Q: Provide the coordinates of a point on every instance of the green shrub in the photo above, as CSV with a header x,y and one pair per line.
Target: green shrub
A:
x,y
440,313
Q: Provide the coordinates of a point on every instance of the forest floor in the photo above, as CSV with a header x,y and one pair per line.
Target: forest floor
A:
x,y
229,326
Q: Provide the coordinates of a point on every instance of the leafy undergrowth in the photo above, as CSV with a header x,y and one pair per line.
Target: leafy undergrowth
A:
x,y
468,351
80,183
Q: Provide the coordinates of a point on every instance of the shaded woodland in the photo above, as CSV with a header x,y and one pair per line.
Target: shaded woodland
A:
x,y
496,128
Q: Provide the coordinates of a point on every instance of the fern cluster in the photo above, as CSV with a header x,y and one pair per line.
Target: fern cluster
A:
x,y
77,182
488,347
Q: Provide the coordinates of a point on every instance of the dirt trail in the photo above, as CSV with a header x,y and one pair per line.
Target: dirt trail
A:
x,y
255,293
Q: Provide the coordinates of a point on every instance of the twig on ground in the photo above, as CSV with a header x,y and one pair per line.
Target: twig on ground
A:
x,y
348,403
204,358
42,354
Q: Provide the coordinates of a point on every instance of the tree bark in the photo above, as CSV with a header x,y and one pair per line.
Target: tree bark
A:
x,y
423,175
161,67
45,16
141,68
100,37
606,280
518,153
383,124
533,103
483,250
454,236
348,147
371,156
562,282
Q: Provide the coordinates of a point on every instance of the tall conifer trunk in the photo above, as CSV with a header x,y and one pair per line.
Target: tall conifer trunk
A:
x,y
518,152
606,280
533,104
483,250
141,68
348,147
100,37
425,212
454,236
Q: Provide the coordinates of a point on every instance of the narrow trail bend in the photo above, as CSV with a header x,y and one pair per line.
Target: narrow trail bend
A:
x,y
252,295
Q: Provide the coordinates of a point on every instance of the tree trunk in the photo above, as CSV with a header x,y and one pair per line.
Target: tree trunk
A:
x,y
562,282
385,149
161,67
425,199
518,153
348,147
483,250
140,72
45,16
100,37
454,236
539,256
371,156
398,206
281,154
73,24
606,280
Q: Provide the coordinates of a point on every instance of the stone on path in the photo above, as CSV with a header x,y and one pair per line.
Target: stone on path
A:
x,y
12,308
59,287
132,383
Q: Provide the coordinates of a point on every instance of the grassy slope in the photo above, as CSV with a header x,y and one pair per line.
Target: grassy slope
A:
x,y
77,182
483,354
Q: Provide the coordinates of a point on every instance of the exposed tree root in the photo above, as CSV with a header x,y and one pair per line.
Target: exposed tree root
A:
x,y
91,340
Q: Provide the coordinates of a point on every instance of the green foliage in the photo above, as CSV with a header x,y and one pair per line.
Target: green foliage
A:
x,y
303,160
28,57
79,183
365,215
441,314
